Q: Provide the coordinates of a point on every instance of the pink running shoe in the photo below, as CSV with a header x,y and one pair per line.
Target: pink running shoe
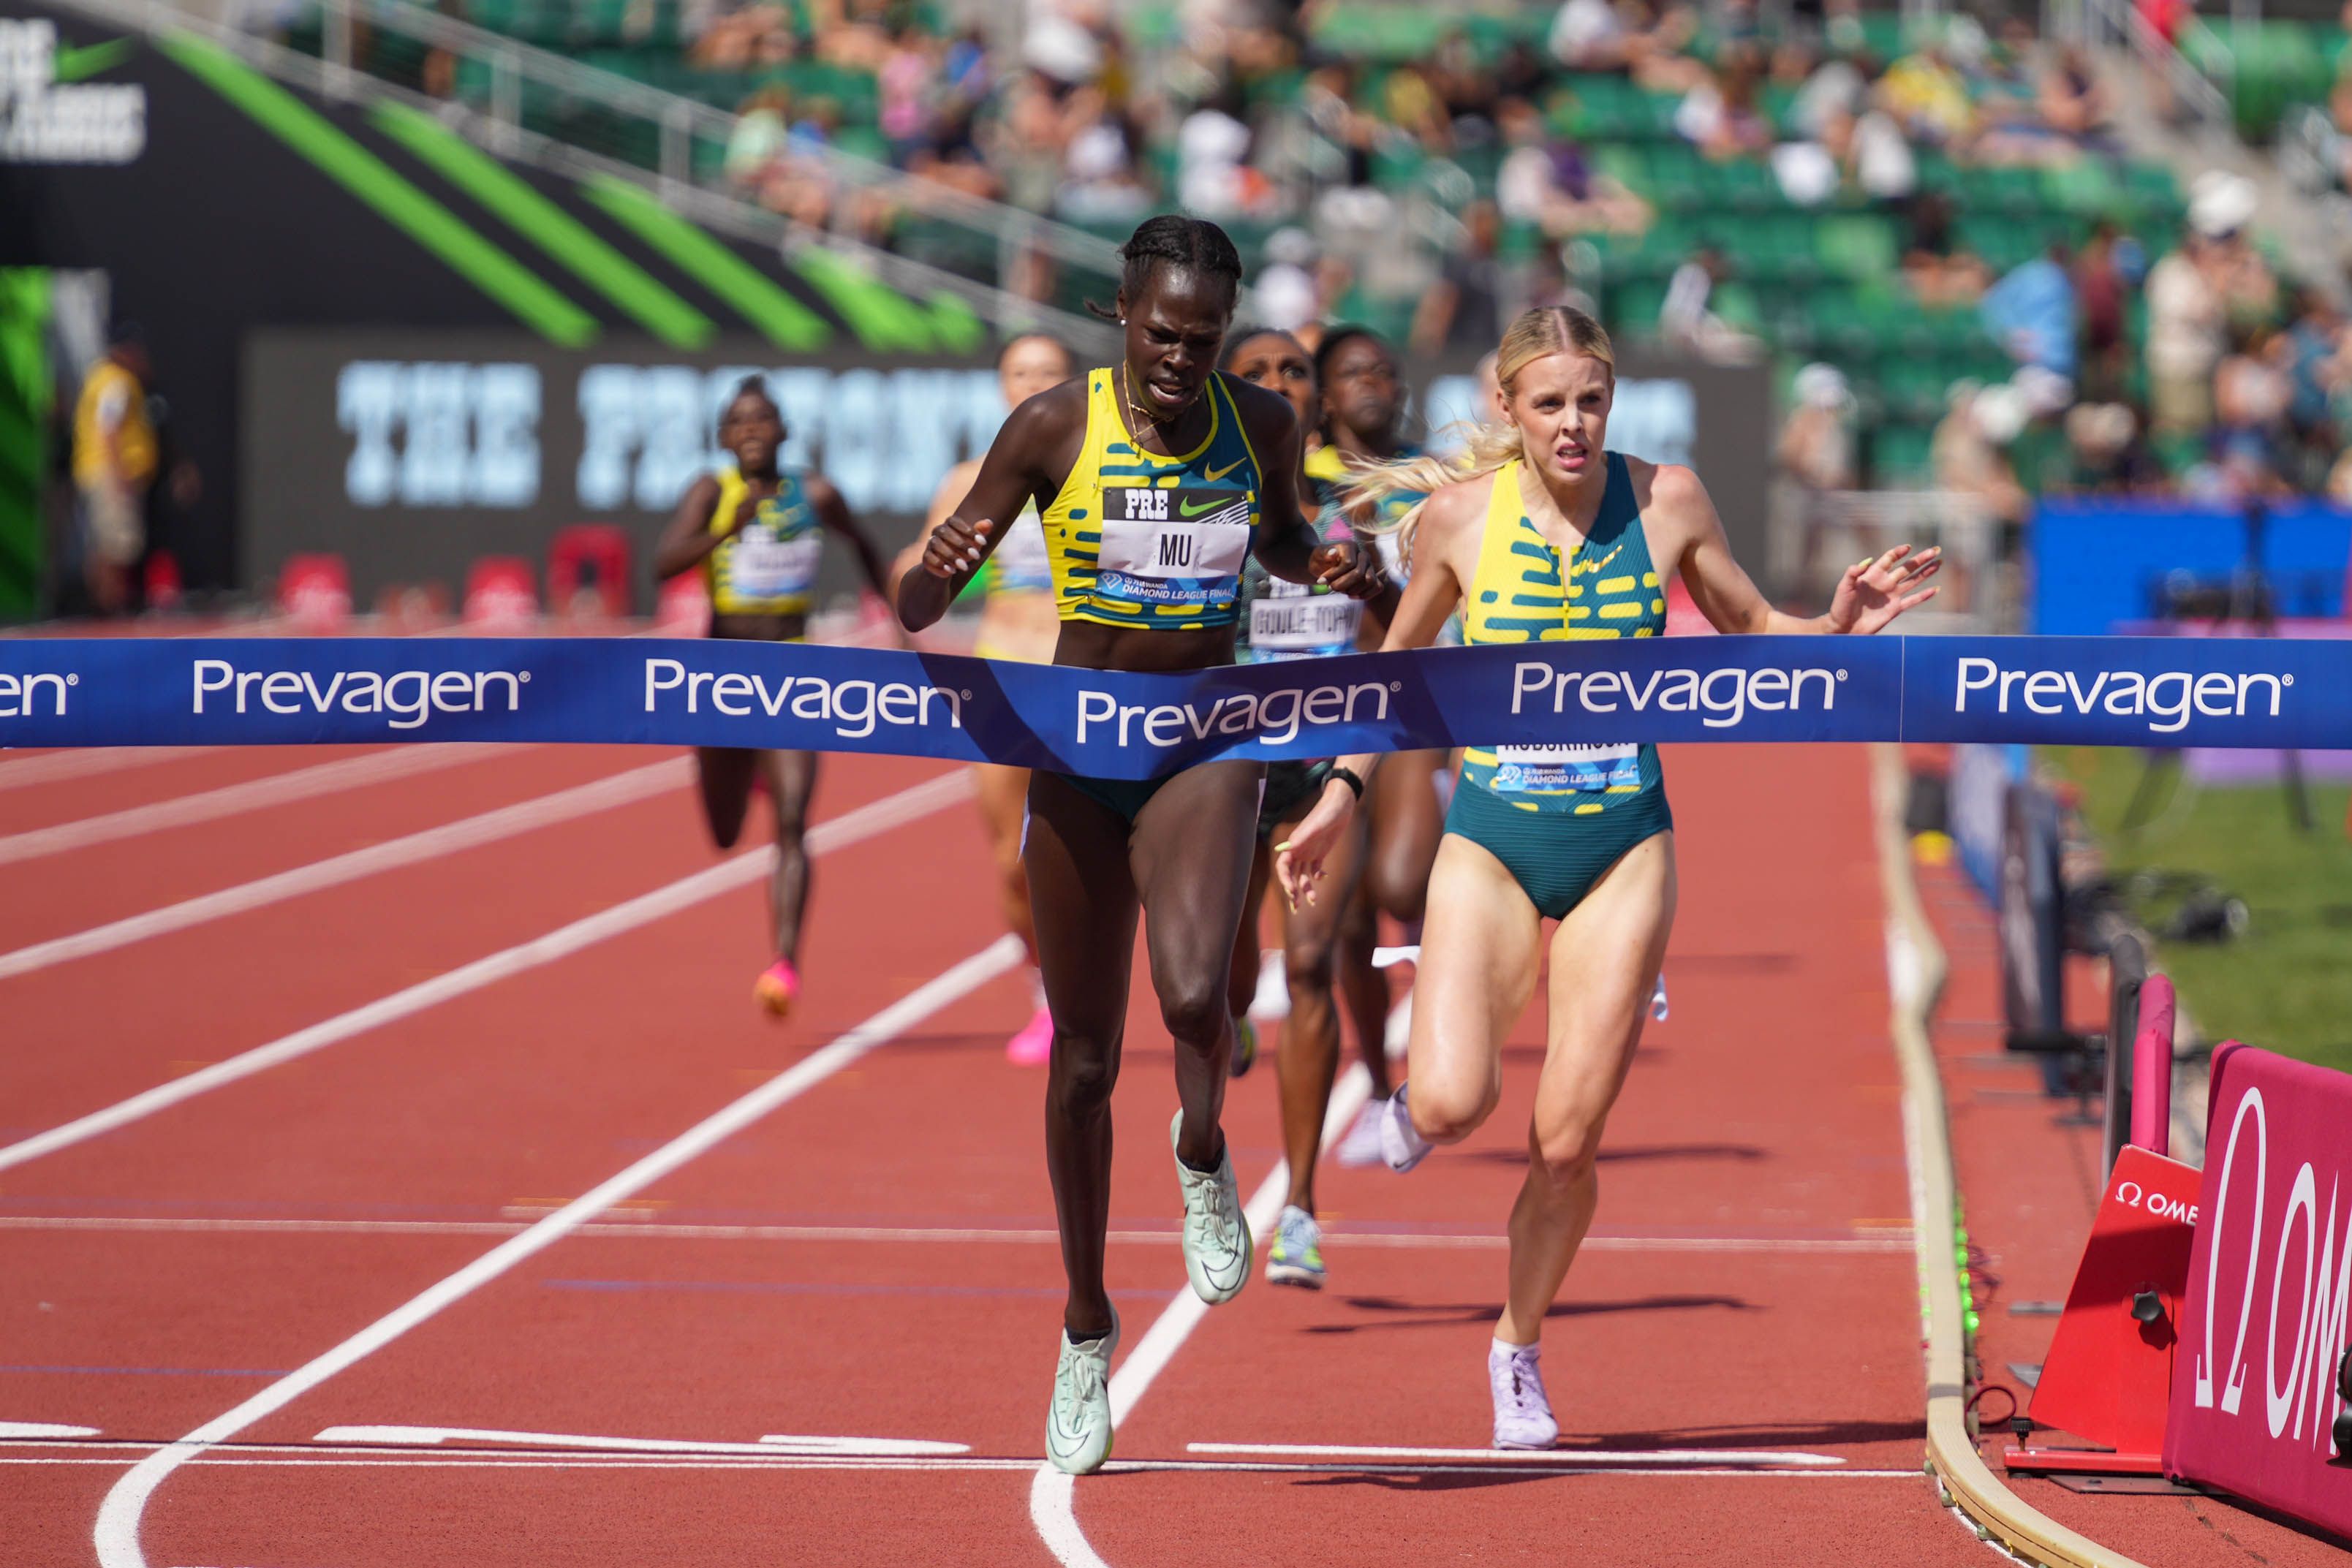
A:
x,y
1033,1046
778,988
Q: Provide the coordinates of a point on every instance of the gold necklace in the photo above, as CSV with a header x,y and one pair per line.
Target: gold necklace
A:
x,y
1127,381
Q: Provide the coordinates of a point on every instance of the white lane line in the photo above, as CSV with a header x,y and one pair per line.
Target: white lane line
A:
x,y
117,1534
434,1436
1052,1506
662,1230
469,833
835,833
57,765
234,800
25,1429
1722,1459
240,1457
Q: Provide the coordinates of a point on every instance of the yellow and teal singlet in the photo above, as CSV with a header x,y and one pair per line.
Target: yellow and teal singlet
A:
x,y
769,568
1138,540
1558,816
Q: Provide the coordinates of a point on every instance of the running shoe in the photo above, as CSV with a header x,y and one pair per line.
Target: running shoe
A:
x,y
1245,1046
1033,1046
1523,1416
779,986
1078,1423
1360,1143
1296,1256
1401,1143
1216,1240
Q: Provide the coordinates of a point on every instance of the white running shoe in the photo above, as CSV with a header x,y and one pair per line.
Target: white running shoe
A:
x,y
1360,1143
1217,1250
1523,1418
1078,1423
1401,1143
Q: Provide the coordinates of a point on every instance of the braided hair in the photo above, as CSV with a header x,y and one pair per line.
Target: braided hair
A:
x,y
1171,239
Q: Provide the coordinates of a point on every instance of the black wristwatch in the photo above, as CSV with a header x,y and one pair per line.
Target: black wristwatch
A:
x,y
1348,776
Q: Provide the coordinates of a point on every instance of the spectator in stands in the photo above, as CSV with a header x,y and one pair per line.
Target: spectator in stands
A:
x,y
2106,453
1099,182
1816,448
904,85
2248,443
756,142
1286,295
1546,180
1929,98
1941,269
1969,452
1687,320
2105,271
1719,116
1658,36
1589,36
1211,146
2032,313
2186,317
1466,305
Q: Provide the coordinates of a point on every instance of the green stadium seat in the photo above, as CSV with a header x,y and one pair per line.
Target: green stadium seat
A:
x,y
1856,246
1900,455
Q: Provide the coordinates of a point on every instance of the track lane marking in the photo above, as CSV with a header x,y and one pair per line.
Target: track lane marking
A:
x,y
1052,1503
769,1447
467,832
58,766
20,1430
835,832
117,1533
1723,1457
667,1231
253,795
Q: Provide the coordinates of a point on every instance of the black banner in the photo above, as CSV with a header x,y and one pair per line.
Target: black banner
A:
x,y
412,455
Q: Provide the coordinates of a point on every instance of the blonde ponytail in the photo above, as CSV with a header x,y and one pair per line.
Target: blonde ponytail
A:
x,y
1487,445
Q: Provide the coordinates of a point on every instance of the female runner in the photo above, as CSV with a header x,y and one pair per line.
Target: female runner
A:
x,y
1132,465
758,534
1289,621
1362,405
1540,533
1016,621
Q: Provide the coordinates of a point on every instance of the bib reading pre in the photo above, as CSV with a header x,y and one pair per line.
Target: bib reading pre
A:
x,y
1138,538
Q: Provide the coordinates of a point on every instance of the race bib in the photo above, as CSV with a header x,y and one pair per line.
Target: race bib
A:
x,y
761,566
1564,770
1179,547
1294,621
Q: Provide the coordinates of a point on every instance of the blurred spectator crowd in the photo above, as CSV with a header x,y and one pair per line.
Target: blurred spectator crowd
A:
x,y
1934,236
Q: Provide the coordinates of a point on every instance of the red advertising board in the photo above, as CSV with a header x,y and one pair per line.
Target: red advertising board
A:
x,y
2255,1387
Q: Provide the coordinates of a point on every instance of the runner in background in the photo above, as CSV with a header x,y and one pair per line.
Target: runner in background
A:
x,y
1282,621
1540,533
1017,620
757,535
1360,409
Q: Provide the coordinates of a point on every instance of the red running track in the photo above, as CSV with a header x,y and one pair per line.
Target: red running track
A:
x,y
1737,1358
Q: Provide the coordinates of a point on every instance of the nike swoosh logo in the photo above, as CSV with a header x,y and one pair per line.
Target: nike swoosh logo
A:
x,y
1186,508
1213,475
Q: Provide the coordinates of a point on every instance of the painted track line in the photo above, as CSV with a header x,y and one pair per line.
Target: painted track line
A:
x,y
837,832
500,1440
58,766
469,833
1052,1500
1724,1459
236,800
117,1534
956,1236
232,1456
